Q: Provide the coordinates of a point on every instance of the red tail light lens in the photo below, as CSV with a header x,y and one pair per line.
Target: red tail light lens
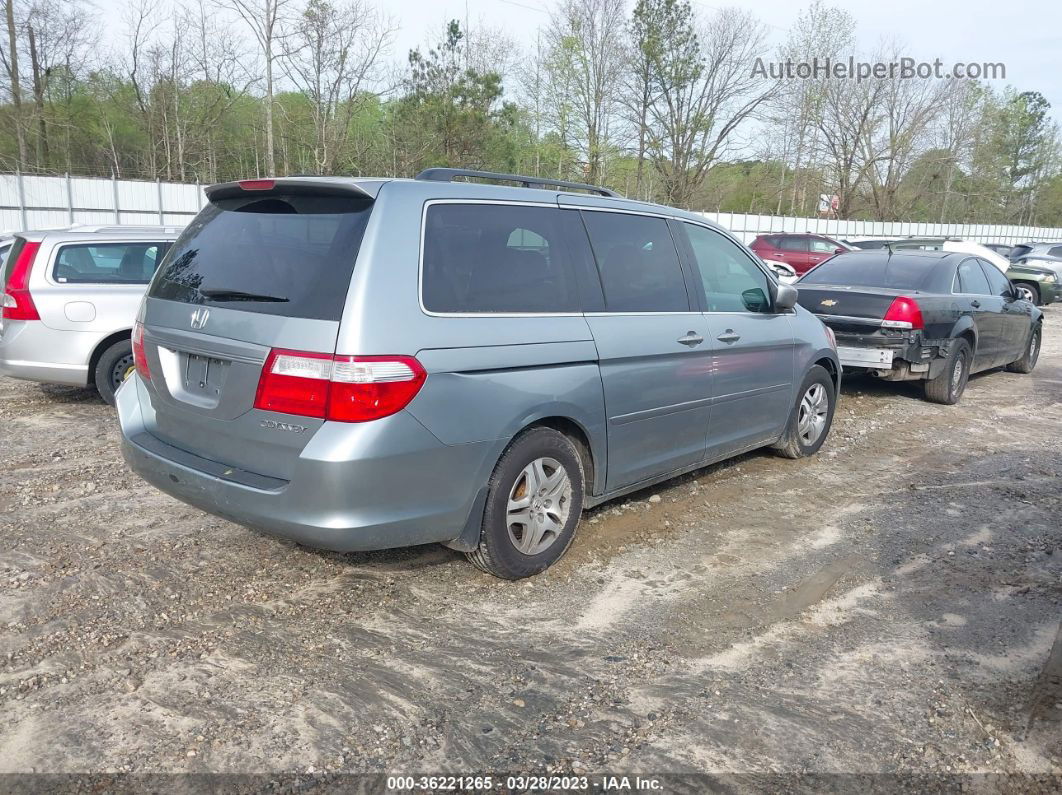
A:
x,y
369,387
339,388
295,383
18,303
139,357
904,313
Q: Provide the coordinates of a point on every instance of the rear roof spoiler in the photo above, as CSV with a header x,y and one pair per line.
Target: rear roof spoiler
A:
x,y
316,186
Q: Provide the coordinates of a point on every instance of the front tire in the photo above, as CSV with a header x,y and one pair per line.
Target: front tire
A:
x,y
113,367
1028,292
812,416
534,503
948,386
1032,352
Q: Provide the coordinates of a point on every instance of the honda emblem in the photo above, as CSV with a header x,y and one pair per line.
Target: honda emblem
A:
x,y
200,317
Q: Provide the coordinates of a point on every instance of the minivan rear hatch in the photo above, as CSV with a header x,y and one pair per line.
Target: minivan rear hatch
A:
x,y
265,265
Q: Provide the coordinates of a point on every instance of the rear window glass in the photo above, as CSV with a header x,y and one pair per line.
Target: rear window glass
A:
x,y
289,255
895,272
108,263
638,262
496,258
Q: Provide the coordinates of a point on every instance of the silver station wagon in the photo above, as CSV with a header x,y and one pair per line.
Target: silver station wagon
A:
x,y
360,364
70,298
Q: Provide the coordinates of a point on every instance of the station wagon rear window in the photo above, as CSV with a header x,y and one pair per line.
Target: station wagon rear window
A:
x,y
278,254
108,263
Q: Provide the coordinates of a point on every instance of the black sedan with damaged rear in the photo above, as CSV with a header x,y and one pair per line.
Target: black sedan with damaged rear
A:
x,y
933,316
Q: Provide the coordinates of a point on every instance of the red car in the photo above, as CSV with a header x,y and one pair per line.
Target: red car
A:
x,y
802,252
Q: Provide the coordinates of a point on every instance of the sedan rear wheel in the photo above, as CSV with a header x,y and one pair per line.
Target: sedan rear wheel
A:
x,y
113,367
947,387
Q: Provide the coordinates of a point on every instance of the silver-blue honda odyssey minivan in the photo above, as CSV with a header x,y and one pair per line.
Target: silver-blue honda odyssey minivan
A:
x,y
359,364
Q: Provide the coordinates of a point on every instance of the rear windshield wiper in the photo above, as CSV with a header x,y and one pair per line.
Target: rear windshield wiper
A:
x,y
219,294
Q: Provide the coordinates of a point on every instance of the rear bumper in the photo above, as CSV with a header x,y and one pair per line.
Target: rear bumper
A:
x,y
352,489
32,351
892,359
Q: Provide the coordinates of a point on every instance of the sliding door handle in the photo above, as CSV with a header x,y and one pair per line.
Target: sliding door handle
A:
x,y
728,336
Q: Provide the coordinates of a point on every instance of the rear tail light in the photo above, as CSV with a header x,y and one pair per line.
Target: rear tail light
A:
x,y
139,357
830,336
904,313
18,303
257,184
340,388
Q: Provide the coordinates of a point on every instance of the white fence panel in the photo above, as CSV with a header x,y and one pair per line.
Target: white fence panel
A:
x,y
32,202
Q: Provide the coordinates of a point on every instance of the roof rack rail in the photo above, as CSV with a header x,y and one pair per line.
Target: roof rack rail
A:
x,y
449,174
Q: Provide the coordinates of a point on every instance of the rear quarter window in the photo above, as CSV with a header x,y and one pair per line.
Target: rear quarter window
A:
x,y
499,259
288,255
108,263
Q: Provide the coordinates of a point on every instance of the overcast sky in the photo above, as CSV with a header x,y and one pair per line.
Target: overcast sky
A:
x,y
1026,36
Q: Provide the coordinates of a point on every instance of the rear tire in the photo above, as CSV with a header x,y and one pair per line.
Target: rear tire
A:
x,y
534,503
1032,352
113,367
1028,292
948,386
812,416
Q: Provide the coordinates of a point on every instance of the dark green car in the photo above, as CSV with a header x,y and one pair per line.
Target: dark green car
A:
x,y
1039,286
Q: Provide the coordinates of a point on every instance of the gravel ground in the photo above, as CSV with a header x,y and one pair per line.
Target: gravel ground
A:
x,y
890,606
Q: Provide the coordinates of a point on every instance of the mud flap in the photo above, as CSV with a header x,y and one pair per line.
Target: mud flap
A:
x,y
468,541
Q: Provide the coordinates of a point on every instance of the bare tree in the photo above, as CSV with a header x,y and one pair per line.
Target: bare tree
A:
x,y
820,32
850,114
11,63
705,90
909,108
265,19
333,56
586,65
60,35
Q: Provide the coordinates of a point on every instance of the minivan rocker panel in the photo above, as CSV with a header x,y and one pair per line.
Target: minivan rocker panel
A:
x,y
497,309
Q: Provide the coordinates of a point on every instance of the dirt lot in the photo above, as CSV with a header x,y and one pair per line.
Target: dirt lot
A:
x,y
892,605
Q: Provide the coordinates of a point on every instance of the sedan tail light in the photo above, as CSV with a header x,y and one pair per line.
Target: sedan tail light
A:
x,y
904,313
340,388
18,303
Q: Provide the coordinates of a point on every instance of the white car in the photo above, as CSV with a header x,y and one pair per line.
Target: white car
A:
x,y
785,273
70,297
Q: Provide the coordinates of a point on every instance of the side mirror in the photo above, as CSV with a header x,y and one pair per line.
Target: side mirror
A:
x,y
786,297
839,250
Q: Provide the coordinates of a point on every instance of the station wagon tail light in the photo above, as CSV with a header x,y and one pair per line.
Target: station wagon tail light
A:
x,y
339,388
139,357
18,303
257,184
904,313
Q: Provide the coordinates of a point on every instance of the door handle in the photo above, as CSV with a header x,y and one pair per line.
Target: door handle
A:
x,y
975,304
692,339
728,336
